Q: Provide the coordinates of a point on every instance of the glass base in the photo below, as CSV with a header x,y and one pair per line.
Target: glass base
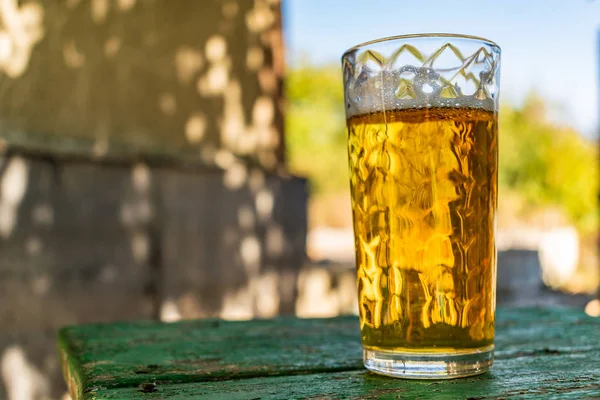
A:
x,y
429,365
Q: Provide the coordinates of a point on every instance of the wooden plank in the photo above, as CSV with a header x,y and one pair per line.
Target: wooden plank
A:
x,y
559,343
539,329
128,354
560,375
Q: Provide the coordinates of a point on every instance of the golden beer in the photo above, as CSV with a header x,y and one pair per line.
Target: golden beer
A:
x,y
424,193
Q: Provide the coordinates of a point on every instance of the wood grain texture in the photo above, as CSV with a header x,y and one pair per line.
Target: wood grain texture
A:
x,y
540,352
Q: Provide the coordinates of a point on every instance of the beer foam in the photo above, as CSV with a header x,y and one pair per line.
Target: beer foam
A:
x,y
415,88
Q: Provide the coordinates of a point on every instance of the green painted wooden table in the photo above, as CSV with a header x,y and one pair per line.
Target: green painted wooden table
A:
x,y
540,353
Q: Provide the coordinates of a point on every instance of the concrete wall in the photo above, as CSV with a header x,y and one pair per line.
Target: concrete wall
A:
x,y
142,171
86,241
65,257
166,78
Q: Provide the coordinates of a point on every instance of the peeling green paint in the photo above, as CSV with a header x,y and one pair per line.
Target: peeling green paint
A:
x,y
540,353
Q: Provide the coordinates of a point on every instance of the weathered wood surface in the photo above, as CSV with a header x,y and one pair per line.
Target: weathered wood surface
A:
x,y
539,352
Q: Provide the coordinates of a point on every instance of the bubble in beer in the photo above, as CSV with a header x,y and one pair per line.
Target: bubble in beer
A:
x,y
423,189
413,87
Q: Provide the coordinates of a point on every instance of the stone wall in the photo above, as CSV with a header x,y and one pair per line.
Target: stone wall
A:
x,y
85,241
142,171
163,78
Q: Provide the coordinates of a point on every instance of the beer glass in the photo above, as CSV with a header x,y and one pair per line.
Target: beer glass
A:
x,y
422,119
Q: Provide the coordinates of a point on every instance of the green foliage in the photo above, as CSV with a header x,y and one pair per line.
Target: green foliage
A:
x,y
548,165
545,164
316,127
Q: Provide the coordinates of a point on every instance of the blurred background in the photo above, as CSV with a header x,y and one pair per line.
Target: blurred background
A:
x,y
184,159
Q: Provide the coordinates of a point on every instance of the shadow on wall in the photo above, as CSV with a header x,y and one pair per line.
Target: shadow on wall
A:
x,y
143,172
119,78
91,242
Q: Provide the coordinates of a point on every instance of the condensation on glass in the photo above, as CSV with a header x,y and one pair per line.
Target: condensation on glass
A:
x,y
422,118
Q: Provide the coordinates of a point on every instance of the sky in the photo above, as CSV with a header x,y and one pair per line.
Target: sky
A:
x,y
550,46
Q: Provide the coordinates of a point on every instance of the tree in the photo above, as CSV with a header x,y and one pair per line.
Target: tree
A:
x,y
548,165
316,127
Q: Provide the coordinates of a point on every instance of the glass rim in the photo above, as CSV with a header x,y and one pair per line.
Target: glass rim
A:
x,y
421,36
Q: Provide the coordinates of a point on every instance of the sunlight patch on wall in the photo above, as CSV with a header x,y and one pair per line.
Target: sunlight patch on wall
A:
x,y
224,159
74,58
275,240
34,246
41,285
215,81
237,305
255,58
246,218
216,48
43,214
267,79
256,181
21,28
169,312
230,9
260,17
140,246
112,46
141,177
195,128
232,125
264,204
235,176
263,111
188,62
22,380
101,145
251,254
167,104
266,288
100,10
13,186
126,5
